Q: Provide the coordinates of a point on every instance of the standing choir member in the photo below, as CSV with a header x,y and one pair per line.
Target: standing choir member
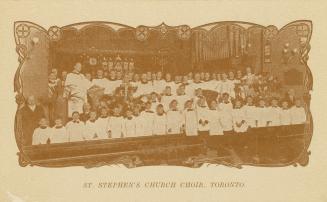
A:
x,y
102,124
174,119
58,132
285,116
274,113
41,134
112,84
214,118
148,119
159,84
75,128
91,128
31,115
190,120
129,125
160,121
115,126
298,115
239,122
250,112
145,87
262,114
202,115
76,86
100,80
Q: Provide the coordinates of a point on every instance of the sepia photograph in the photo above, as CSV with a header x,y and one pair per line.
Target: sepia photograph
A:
x,y
104,93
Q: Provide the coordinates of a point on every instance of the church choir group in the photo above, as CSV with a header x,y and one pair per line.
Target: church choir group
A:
x,y
147,104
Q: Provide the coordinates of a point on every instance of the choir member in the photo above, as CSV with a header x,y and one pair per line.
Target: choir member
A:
x,y
285,116
249,77
274,112
174,119
167,98
202,115
58,132
91,127
129,125
102,124
75,128
226,105
115,126
262,114
140,123
86,112
136,81
41,134
190,120
169,82
250,112
298,115
227,86
160,121
154,100
145,87
148,118
214,119
159,84
181,97
239,122
112,83
100,80
76,86
31,115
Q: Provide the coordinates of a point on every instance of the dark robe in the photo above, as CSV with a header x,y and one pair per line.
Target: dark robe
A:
x,y
30,121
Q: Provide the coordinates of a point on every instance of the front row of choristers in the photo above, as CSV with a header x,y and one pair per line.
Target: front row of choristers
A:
x,y
195,119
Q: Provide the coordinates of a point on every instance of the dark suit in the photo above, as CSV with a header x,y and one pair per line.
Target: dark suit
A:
x,y
30,121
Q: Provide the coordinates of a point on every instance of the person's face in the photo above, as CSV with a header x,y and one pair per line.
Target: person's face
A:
x,y
100,74
119,75
55,71
86,107
248,70
153,97
214,76
103,112
159,75
144,78
174,104
168,77
249,100
52,76
88,76
231,75
129,113
224,76
75,116
262,103
285,105
148,106
238,104
93,115
168,90
182,89
160,110
197,77
226,97
31,100
201,102
58,122
202,76
136,111
218,77
213,104
116,111
184,80
190,76
112,75
64,74
239,74
78,67
43,122
298,103
136,77
154,77
274,102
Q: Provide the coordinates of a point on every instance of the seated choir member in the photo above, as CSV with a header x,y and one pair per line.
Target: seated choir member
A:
x,y
129,125
214,118
91,127
239,123
148,119
250,112
115,125
274,112
298,115
202,115
41,134
262,114
58,132
167,98
285,115
174,119
190,120
75,128
102,124
139,122
160,121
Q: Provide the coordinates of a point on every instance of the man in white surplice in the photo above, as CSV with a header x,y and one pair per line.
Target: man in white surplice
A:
x,y
76,86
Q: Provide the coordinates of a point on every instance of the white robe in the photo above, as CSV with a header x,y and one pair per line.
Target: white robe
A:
x,y
227,120
273,116
102,127
166,100
250,115
214,118
228,87
129,127
160,124
202,115
76,85
190,122
41,136
148,121
298,115
115,126
58,135
159,86
144,89
172,86
111,86
238,117
91,130
285,117
181,99
139,126
100,82
75,131
262,116
174,122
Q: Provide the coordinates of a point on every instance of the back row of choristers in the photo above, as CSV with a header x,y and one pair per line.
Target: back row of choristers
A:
x,y
193,120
